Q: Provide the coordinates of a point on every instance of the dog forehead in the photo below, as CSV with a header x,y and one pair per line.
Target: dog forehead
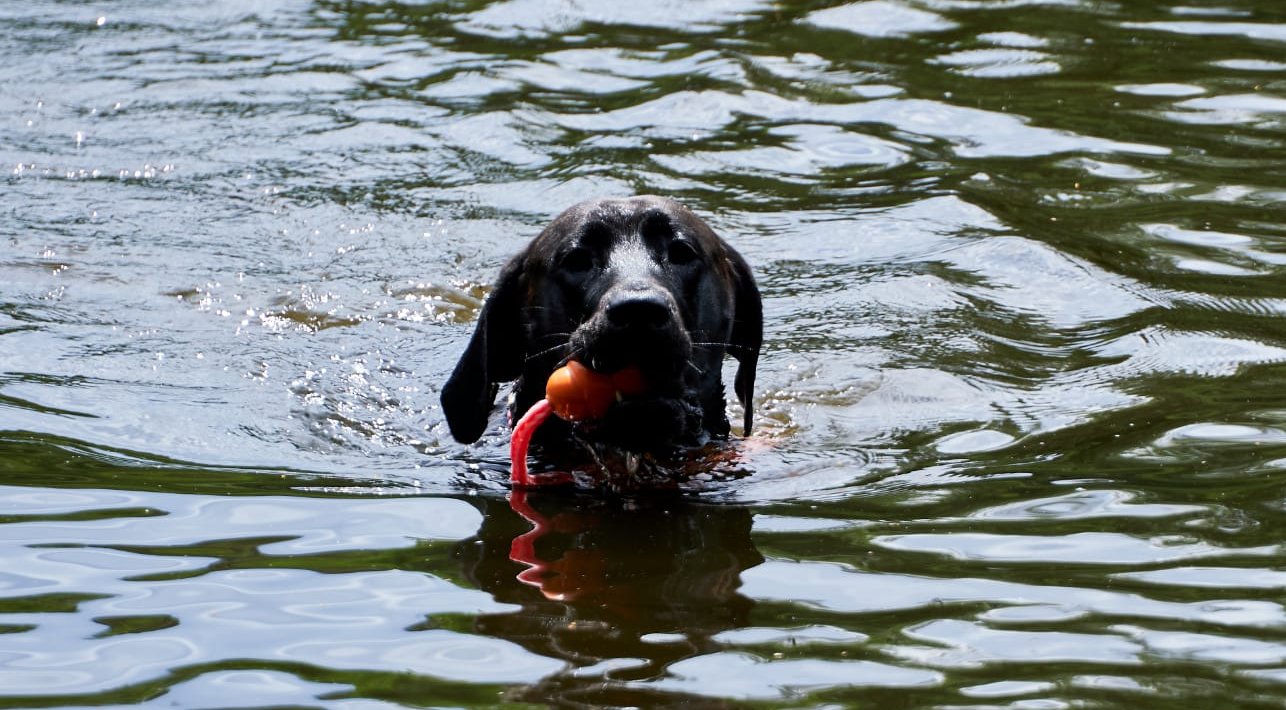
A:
x,y
608,223
626,207
624,213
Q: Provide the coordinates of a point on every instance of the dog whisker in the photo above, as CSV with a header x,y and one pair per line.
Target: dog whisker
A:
x,y
730,346
547,351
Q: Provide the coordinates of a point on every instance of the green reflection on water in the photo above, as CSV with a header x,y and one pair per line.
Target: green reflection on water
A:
x,y
1023,268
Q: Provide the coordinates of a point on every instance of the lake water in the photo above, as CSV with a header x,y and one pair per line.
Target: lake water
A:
x,y
1021,434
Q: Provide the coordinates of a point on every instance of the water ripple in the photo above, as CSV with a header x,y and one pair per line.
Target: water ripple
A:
x,y
878,18
1019,437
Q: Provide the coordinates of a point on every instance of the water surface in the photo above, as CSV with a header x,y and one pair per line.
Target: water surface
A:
x,y
1021,432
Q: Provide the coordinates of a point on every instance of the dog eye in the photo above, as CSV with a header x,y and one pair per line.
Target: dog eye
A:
x,y
577,260
680,252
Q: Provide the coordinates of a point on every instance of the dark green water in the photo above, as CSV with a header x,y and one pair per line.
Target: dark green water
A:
x,y
1022,440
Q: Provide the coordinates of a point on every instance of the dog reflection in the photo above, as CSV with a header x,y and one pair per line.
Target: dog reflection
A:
x,y
595,578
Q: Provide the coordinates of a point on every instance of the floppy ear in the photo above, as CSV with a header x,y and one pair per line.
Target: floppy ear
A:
x,y
494,355
747,334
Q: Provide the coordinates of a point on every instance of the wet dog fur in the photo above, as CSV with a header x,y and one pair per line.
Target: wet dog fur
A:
x,y
615,282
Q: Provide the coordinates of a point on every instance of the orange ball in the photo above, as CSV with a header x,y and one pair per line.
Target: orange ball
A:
x,y
629,381
577,393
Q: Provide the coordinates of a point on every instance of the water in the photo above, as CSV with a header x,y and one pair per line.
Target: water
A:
x,y
1022,430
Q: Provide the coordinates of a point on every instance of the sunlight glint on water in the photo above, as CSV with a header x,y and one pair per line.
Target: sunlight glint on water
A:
x,y
1021,432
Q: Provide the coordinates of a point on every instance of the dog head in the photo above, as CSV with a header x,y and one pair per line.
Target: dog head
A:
x,y
612,283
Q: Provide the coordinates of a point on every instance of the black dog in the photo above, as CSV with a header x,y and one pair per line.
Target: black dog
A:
x,y
612,283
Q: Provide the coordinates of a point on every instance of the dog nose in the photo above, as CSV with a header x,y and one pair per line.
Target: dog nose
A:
x,y
638,311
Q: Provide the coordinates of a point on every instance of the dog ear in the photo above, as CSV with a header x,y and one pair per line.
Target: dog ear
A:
x,y
747,334
494,355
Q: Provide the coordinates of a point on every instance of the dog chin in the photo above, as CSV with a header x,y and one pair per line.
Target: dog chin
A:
x,y
640,443
648,425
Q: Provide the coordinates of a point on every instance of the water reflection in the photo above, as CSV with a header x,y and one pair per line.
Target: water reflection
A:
x,y
652,580
1023,436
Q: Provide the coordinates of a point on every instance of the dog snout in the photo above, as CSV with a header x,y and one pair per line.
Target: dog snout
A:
x,y
642,311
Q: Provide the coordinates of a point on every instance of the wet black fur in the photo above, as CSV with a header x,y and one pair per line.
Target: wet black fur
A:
x,y
614,282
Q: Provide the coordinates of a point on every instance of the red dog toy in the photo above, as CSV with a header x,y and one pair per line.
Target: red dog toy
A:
x,y
575,393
